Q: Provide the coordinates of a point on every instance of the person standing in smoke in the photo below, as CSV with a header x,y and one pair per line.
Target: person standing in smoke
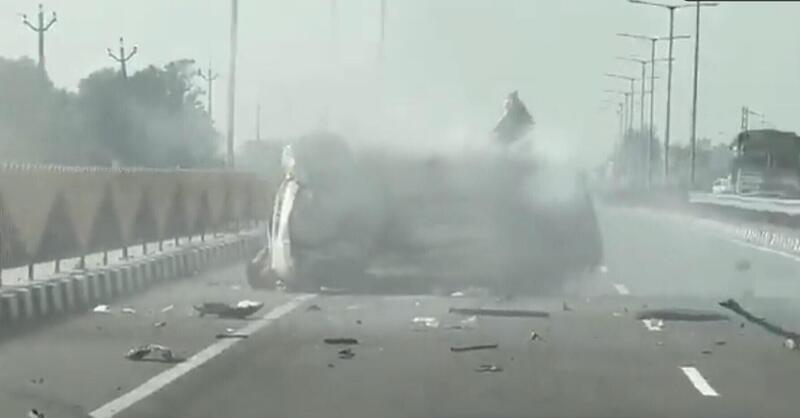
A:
x,y
515,122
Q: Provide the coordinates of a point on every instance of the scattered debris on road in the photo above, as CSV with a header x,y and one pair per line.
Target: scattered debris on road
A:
x,y
425,321
653,324
330,365
470,322
241,310
720,342
346,353
535,336
128,310
236,287
167,308
616,314
489,368
35,413
458,294
102,309
770,327
313,308
474,348
691,315
706,351
341,341
160,324
565,307
742,265
141,352
352,307
38,381
358,322
500,312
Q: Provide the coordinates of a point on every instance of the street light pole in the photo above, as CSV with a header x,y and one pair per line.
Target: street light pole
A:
x,y
630,109
232,82
694,88
40,29
653,40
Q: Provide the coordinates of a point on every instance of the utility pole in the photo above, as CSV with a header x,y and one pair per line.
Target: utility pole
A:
x,y
694,88
40,28
123,59
209,78
232,81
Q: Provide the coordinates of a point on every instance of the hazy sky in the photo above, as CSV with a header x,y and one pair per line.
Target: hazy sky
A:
x,y
448,63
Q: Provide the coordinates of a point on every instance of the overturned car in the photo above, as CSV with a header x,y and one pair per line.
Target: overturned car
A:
x,y
380,221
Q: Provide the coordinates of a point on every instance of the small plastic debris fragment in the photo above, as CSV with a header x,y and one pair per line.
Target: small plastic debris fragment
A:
x,y
160,324
790,344
128,310
242,309
352,307
603,269
706,352
167,308
565,307
236,287
341,341
470,322
313,308
331,290
346,353
426,322
535,336
489,368
102,309
616,314
720,342
35,413
473,348
458,294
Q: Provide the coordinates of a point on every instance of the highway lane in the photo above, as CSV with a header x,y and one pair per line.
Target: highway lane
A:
x,y
593,360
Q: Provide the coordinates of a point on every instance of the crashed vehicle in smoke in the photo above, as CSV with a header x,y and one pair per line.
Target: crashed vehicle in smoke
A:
x,y
388,222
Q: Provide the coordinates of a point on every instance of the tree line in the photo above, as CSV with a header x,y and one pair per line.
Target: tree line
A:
x,y
152,118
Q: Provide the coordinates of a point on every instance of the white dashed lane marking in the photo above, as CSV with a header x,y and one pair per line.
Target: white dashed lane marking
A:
x,y
699,382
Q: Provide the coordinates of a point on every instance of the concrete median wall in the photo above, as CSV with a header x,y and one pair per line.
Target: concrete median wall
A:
x,y
26,306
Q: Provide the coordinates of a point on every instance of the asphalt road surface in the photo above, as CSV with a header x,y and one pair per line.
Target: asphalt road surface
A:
x,y
593,359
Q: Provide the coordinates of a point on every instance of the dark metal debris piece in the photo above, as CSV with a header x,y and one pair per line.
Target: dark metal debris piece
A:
x,y
742,265
501,312
358,321
223,310
346,353
139,353
35,413
736,308
341,341
231,335
474,348
720,342
160,324
565,307
313,308
691,315
488,368
706,352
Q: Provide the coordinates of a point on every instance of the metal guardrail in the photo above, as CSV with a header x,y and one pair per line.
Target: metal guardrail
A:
x,y
52,212
753,203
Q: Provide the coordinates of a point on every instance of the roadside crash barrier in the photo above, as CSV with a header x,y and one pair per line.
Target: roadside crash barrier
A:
x,y
78,292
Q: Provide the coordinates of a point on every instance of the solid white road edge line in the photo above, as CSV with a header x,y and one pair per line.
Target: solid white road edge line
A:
x,y
621,289
166,377
699,381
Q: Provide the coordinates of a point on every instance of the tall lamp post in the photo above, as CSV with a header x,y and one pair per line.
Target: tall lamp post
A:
x,y
694,85
630,109
653,40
